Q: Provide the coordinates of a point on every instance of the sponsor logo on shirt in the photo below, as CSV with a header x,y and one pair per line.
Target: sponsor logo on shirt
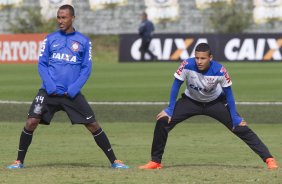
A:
x,y
90,49
43,47
200,89
181,67
64,57
224,71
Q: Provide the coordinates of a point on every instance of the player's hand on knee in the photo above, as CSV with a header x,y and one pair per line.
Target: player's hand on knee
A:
x,y
243,123
163,114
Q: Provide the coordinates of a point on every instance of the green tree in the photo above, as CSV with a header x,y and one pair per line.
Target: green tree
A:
x,y
29,20
230,17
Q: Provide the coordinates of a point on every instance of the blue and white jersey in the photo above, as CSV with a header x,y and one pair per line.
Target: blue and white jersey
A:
x,y
65,62
203,86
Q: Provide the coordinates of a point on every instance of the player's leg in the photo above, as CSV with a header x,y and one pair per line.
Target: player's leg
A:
x,y
142,50
184,109
36,111
220,111
147,48
80,112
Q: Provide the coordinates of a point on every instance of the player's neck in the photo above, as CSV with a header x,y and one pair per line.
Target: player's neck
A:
x,y
70,30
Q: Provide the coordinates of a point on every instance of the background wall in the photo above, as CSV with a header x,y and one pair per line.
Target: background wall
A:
x,y
125,19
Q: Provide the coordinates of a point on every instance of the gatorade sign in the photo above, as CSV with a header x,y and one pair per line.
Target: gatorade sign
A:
x,y
20,48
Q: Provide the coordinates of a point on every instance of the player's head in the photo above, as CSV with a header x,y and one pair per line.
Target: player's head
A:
x,y
144,16
203,56
65,18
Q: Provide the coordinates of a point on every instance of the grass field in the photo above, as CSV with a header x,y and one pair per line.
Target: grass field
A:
x,y
145,81
194,154
198,151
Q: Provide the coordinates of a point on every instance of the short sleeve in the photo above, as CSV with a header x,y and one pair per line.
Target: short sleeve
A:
x,y
225,79
180,72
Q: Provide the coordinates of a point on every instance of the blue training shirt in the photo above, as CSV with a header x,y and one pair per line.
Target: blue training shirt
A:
x,y
65,63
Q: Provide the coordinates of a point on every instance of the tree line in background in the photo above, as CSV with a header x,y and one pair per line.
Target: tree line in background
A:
x,y
229,17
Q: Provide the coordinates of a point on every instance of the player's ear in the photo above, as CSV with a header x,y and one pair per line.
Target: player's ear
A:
x,y
211,57
73,17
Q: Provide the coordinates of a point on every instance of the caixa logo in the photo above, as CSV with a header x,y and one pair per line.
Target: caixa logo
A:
x,y
168,48
253,49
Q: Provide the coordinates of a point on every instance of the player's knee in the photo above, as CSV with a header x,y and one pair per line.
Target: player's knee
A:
x,y
164,124
93,127
31,124
162,121
239,130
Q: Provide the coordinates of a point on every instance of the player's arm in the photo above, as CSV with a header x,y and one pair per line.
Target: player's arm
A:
x,y
236,119
142,29
180,76
43,63
172,100
85,72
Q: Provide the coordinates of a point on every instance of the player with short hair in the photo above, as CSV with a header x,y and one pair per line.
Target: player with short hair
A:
x,y
64,66
208,92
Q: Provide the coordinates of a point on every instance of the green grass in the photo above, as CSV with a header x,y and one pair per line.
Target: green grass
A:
x,y
138,113
62,153
145,81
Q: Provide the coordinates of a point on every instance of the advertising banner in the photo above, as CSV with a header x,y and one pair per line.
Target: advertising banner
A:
x,y
225,47
20,48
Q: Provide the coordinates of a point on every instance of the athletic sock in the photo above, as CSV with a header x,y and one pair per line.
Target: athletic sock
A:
x,y
104,143
25,140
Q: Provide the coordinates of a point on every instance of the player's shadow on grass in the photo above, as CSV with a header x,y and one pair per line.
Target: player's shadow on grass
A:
x,y
213,166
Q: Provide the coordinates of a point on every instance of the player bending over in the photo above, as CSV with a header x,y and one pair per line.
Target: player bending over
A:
x,y
208,92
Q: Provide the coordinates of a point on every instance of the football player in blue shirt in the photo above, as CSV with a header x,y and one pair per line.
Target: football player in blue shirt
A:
x,y
208,92
64,66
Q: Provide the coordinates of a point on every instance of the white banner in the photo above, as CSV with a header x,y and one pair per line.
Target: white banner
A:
x,y
162,10
203,4
49,8
266,10
102,4
5,3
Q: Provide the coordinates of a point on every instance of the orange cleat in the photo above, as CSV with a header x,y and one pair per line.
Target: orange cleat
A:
x,y
151,165
271,163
